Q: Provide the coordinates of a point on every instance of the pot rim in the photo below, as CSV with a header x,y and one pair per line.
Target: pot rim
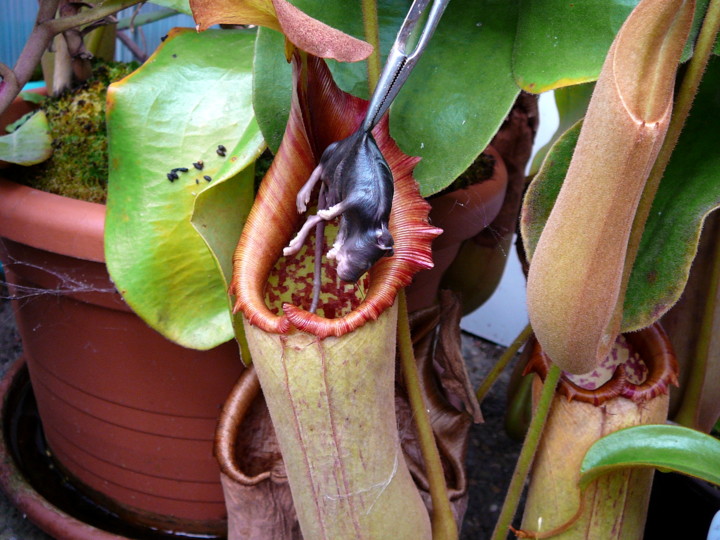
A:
x,y
51,222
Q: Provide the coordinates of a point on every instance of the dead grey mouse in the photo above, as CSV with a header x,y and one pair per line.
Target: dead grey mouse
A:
x,y
358,187
357,183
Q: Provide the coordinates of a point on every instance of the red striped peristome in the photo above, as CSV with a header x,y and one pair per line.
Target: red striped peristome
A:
x,y
320,114
653,346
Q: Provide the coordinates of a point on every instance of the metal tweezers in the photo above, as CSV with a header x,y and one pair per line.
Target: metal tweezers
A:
x,y
399,62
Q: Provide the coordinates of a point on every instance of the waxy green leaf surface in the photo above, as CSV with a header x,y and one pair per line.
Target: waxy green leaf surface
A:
x,y
689,190
191,96
178,5
666,447
272,86
560,43
455,100
464,85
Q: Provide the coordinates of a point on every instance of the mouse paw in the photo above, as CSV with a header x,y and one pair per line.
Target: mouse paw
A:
x,y
302,202
293,247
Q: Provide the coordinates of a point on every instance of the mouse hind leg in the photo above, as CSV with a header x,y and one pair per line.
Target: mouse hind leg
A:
x,y
303,196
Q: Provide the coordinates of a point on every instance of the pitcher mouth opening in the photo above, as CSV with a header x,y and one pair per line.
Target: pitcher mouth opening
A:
x,y
275,292
651,345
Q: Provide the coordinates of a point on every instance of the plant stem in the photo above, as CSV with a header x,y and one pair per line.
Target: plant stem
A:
x,y
688,413
129,23
133,47
372,36
46,27
502,363
88,16
683,102
443,520
527,453
39,40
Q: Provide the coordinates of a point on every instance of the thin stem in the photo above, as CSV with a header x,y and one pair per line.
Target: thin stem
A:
x,y
136,51
46,27
686,95
35,46
527,453
372,36
502,363
88,16
688,413
319,242
130,23
443,520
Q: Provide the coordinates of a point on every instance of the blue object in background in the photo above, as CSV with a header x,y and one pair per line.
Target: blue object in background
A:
x,y
16,22
17,18
33,84
714,532
148,36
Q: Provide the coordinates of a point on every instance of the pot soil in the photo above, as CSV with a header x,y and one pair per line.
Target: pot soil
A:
x,y
128,415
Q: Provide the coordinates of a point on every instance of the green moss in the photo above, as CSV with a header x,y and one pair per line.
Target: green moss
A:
x,y
78,167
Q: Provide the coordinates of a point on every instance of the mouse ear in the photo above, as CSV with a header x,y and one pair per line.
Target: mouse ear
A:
x,y
384,239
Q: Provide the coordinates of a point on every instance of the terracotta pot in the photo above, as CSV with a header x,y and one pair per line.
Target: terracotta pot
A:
x,y
127,414
461,214
19,444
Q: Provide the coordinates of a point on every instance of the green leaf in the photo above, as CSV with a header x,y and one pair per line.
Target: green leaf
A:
x,y
272,86
453,103
560,43
666,447
572,103
219,214
193,94
689,191
33,97
28,144
183,6
460,92
543,190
